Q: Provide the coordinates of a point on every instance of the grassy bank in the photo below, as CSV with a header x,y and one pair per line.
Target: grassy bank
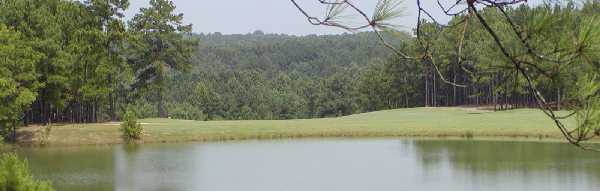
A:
x,y
417,122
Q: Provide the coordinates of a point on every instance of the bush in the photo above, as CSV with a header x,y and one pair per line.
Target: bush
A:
x,y
14,175
130,128
6,131
45,135
186,111
142,108
469,134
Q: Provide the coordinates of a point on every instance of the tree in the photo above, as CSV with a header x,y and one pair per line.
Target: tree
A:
x,y
161,45
81,65
108,22
18,77
15,175
530,47
40,23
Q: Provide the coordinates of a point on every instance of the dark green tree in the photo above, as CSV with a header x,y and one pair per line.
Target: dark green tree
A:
x,y
15,175
18,78
162,44
113,73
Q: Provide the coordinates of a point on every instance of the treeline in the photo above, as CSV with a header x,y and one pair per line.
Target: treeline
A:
x,y
267,76
263,76
59,59
81,62
461,64
467,55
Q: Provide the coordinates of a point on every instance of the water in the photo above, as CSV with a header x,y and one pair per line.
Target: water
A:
x,y
344,165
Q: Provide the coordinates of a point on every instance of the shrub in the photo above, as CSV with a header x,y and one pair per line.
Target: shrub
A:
x,y
45,135
186,111
6,131
14,175
130,128
469,134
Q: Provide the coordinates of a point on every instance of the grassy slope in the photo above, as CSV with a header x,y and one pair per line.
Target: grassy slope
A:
x,y
417,122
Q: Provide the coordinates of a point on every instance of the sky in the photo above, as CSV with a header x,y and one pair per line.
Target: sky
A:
x,y
273,16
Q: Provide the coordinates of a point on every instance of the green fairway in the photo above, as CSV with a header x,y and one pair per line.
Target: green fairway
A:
x,y
416,122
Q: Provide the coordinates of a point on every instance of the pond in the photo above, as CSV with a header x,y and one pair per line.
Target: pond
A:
x,y
329,164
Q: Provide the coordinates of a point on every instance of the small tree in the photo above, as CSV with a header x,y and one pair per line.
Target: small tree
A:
x,y
15,175
131,129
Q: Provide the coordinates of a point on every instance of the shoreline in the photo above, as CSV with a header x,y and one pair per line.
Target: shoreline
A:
x,y
414,123
426,135
325,138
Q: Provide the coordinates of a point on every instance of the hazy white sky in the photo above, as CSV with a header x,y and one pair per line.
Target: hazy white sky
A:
x,y
271,16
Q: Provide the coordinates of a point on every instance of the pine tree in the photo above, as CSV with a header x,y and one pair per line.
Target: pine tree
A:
x,y
162,45
18,78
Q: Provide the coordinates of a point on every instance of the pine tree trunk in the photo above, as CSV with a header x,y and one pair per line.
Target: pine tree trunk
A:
x,y
558,100
434,95
94,119
426,87
14,132
162,112
111,107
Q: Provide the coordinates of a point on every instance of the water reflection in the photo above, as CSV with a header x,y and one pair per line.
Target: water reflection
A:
x,y
73,168
321,165
159,167
523,165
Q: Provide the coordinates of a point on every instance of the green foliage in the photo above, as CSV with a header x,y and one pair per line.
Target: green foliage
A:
x,y
78,65
160,45
385,12
267,76
186,111
15,175
450,122
142,108
587,112
91,65
18,85
45,134
46,37
395,84
78,61
130,128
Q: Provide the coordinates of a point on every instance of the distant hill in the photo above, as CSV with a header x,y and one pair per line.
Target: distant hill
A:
x,y
273,76
273,53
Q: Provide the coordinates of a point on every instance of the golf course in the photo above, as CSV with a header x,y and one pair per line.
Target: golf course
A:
x,y
449,122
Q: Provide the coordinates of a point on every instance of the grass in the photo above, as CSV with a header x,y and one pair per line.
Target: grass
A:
x,y
415,122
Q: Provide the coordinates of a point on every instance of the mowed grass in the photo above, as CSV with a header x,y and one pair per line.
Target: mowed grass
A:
x,y
414,122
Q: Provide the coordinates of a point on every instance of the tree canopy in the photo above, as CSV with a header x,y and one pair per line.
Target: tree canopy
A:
x,y
534,48
82,62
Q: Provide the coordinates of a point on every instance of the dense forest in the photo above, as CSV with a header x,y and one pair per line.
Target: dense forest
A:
x,y
264,76
267,76
82,62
